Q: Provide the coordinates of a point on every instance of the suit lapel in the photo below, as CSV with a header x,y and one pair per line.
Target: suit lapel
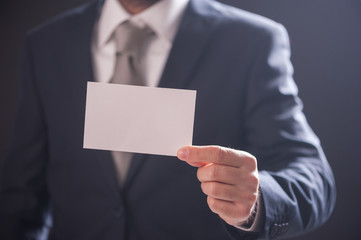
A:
x,y
191,39
79,44
79,59
194,32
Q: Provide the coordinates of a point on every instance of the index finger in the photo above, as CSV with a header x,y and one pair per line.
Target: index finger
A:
x,y
212,154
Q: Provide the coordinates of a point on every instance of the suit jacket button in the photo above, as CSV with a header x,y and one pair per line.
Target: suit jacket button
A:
x,y
274,231
278,229
284,227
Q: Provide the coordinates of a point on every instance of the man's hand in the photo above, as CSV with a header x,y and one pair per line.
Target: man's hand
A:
x,y
228,177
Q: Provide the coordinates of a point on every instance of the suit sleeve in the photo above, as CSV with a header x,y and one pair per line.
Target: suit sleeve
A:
x,y
23,192
296,180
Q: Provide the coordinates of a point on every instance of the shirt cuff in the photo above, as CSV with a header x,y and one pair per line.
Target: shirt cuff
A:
x,y
257,223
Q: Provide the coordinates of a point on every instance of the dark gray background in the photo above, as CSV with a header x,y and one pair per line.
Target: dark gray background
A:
x,y
326,53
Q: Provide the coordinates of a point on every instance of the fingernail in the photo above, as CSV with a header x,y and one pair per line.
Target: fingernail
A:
x,y
183,154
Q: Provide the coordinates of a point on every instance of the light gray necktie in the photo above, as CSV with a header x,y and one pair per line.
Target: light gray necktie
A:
x,y
131,42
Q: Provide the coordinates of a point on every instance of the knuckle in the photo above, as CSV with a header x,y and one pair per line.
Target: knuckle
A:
x,y
199,174
251,162
219,153
204,188
212,203
253,179
194,153
213,172
252,198
209,188
212,188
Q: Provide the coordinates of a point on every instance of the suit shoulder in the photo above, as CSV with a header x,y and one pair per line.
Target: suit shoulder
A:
x,y
70,19
237,19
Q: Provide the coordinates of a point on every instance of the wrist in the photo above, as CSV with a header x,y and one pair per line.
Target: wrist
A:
x,y
254,223
249,222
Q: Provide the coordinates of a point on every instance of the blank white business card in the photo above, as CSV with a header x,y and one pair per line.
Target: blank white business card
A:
x,y
138,119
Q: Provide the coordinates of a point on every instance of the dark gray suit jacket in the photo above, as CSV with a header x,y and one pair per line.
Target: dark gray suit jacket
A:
x,y
239,64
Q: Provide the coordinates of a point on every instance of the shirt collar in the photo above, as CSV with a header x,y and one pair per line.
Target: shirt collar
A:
x,y
163,17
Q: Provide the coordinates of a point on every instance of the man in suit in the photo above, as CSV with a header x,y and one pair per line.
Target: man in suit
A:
x,y
279,185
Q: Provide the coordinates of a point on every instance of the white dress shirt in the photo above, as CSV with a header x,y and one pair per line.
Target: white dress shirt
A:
x,y
162,17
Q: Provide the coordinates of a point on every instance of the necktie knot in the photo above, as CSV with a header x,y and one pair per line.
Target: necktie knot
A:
x,y
131,43
131,38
